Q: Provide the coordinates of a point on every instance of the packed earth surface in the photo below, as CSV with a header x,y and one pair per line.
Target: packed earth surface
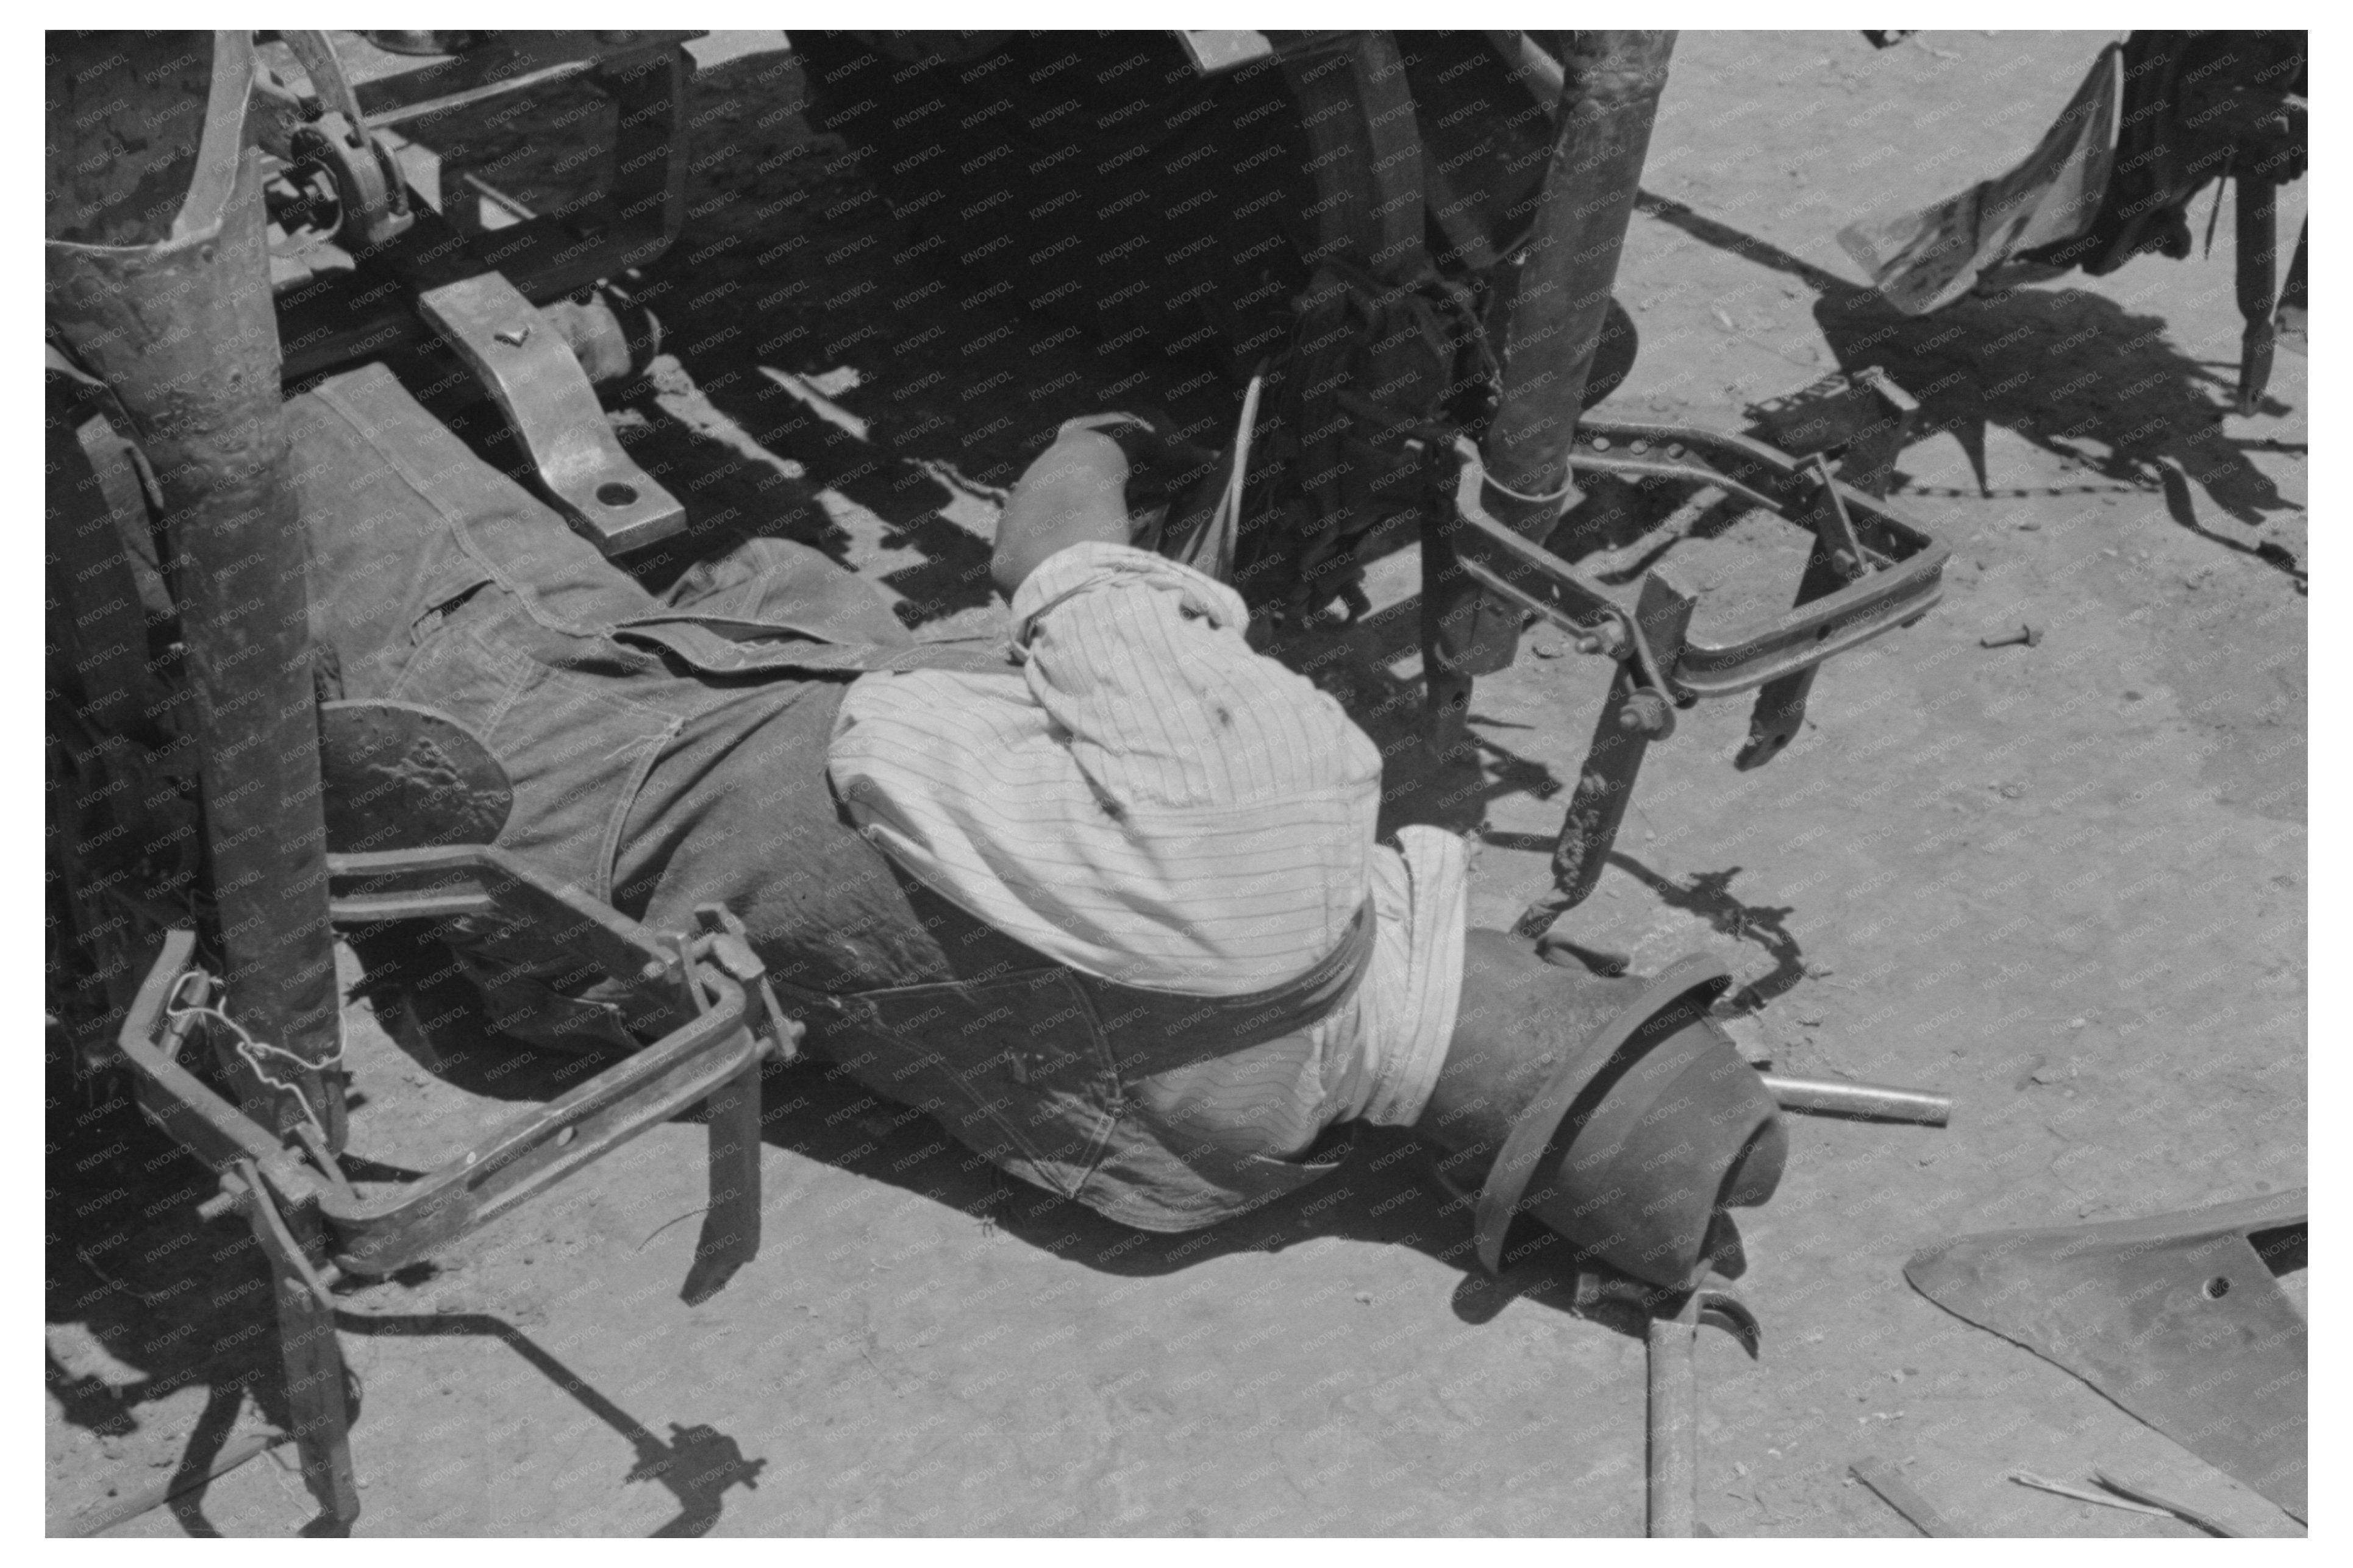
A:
x,y
2062,881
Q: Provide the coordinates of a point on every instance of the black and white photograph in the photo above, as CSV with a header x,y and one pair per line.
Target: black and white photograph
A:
x,y
982,784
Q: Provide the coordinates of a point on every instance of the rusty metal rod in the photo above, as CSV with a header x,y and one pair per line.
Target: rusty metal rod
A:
x,y
1610,98
174,315
1836,1097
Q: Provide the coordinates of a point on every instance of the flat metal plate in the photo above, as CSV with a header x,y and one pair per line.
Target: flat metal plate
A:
x,y
400,775
2175,1317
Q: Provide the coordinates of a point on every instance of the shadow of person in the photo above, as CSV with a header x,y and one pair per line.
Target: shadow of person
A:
x,y
1390,1191
1393,1190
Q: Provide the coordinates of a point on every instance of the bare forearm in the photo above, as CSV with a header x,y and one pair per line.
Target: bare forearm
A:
x,y
1075,493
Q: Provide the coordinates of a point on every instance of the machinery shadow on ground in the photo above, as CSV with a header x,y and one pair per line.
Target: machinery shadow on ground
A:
x,y
697,1464
1708,895
1389,1190
2067,369
158,1309
1351,662
139,1283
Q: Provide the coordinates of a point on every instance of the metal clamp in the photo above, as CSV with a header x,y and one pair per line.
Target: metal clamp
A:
x,y
730,946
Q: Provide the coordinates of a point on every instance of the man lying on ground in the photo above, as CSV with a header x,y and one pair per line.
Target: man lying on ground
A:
x,y
1103,896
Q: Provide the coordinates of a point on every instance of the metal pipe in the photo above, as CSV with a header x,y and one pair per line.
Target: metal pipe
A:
x,y
1836,1097
1671,1429
1608,100
170,305
1536,70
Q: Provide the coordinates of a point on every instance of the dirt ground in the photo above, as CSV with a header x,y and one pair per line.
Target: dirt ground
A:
x,y
2063,883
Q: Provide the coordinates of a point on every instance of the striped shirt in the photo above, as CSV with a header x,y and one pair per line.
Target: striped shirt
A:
x,y
1146,799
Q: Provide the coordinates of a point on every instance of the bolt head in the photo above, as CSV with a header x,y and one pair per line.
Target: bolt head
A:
x,y
1645,713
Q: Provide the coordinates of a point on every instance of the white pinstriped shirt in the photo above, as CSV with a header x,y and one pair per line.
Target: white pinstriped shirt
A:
x,y
1148,800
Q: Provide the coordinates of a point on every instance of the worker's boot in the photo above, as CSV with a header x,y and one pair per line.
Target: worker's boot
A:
x,y
1614,1111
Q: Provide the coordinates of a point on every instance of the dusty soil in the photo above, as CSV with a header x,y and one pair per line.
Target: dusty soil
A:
x,y
2063,883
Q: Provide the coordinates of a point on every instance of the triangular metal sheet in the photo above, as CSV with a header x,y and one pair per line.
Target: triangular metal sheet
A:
x,y
2175,1317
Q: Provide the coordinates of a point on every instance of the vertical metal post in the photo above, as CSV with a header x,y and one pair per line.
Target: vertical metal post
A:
x,y
731,1225
1632,716
2292,291
731,1228
2257,222
1837,560
317,1409
1610,98
180,325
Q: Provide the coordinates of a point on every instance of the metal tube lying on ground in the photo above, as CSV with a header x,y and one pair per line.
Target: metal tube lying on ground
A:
x,y
1836,1097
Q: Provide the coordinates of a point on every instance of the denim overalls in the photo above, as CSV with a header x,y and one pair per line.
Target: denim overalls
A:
x,y
669,752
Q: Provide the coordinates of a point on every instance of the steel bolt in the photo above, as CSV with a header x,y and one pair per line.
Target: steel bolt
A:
x,y
1645,712
224,1202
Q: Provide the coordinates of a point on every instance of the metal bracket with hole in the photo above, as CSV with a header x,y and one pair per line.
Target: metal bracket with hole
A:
x,y
2176,1317
538,383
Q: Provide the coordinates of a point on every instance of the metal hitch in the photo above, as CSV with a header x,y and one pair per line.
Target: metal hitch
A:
x,y
316,1228
1869,572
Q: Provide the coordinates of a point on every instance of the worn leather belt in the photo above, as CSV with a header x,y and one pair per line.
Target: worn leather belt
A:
x,y
1182,1028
